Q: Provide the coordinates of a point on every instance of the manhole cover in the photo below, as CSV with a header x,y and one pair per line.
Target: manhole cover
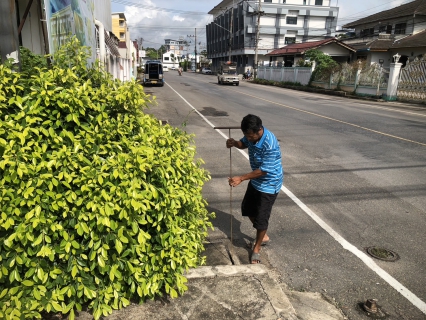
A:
x,y
382,254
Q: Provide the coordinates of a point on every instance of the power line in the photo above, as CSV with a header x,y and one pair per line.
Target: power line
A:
x,y
132,4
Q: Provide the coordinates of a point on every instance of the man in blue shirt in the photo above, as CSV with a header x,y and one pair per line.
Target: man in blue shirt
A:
x,y
266,177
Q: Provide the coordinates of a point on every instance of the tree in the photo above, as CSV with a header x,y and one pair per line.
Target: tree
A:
x,y
325,65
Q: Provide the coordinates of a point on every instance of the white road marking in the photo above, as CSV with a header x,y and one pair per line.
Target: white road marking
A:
x,y
369,262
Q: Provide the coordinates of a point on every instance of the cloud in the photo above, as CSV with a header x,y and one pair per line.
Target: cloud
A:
x,y
177,18
156,25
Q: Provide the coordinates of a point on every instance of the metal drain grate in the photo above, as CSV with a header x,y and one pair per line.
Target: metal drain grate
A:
x,y
382,253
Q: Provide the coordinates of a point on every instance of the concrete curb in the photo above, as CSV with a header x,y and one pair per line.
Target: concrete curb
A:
x,y
226,271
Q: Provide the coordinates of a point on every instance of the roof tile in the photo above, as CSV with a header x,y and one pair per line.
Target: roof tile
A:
x,y
304,46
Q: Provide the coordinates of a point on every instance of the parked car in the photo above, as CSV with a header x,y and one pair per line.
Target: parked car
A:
x,y
165,68
173,68
206,71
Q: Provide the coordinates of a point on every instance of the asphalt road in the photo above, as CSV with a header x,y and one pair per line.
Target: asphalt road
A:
x,y
355,177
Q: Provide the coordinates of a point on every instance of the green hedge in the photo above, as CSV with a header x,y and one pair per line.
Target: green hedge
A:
x,y
100,203
277,83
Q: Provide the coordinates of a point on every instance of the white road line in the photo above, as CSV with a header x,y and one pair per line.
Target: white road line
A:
x,y
343,242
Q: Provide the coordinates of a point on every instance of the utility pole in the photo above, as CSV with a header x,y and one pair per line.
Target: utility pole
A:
x,y
195,48
230,32
259,13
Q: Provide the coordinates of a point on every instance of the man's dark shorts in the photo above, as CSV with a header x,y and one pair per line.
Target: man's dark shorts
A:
x,y
258,204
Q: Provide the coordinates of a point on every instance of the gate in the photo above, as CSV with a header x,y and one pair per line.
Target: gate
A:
x,y
412,81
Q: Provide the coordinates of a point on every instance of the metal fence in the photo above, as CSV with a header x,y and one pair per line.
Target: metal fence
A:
x,y
412,81
282,74
367,79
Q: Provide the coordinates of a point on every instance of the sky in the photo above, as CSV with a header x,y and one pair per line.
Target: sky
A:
x,y
154,21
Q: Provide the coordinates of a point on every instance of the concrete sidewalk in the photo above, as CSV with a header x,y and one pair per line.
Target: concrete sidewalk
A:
x,y
230,288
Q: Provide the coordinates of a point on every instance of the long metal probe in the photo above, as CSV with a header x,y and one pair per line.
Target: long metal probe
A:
x,y
230,175
230,189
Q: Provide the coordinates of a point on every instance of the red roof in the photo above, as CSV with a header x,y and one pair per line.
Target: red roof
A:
x,y
301,48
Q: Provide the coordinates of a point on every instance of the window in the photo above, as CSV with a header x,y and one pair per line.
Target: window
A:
x,y
289,40
122,35
121,23
267,0
291,20
166,58
400,28
367,32
304,2
318,2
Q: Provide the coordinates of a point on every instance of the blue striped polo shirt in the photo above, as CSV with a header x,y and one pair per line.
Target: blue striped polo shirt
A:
x,y
266,156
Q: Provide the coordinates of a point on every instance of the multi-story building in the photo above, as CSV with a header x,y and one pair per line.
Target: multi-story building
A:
x,y
125,45
176,47
232,34
120,29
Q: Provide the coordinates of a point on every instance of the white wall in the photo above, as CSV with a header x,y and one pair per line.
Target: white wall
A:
x,y
103,13
32,33
376,56
267,21
267,41
335,50
317,23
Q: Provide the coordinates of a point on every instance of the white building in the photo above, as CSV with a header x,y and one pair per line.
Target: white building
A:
x,y
281,22
171,59
177,47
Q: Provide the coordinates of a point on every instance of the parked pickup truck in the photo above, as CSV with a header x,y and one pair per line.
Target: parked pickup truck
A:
x,y
228,73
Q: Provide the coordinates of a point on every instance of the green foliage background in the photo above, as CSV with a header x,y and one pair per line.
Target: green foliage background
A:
x,y
325,65
100,204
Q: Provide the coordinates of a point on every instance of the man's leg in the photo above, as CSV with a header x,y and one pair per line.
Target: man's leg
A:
x,y
260,234
265,237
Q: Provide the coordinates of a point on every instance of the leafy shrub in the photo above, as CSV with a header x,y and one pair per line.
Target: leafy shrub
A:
x,y
276,83
325,65
30,61
100,204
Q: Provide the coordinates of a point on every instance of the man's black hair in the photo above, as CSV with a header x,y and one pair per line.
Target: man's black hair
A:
x,y
251,123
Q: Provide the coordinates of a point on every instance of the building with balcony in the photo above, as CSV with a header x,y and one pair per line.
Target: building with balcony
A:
x,y
232,34
176,47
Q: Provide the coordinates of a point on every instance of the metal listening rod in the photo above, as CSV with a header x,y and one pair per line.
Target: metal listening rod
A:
x,y
230,175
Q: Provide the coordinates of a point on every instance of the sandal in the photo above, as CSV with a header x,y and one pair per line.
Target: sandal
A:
x,y
255,257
